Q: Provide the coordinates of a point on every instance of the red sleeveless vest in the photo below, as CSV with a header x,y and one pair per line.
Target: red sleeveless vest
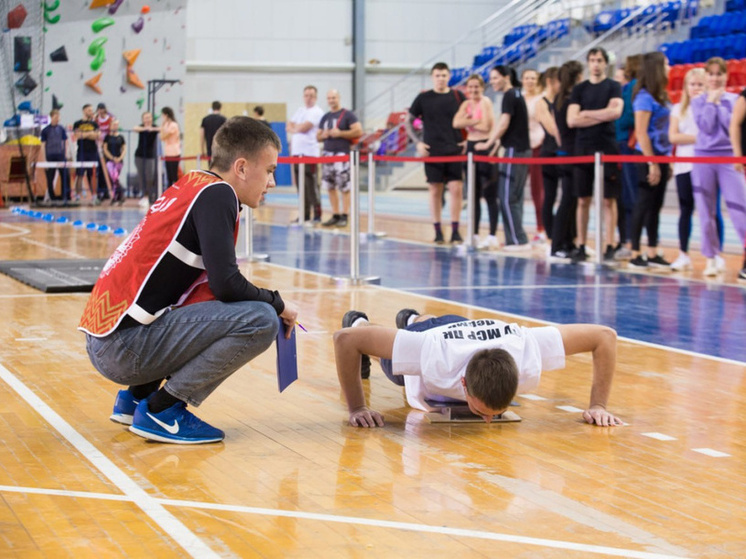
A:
x,y
127,271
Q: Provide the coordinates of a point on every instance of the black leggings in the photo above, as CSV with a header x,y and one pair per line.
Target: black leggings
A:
x,y
686,204
482,180
648,206
172,172
564,223
551,177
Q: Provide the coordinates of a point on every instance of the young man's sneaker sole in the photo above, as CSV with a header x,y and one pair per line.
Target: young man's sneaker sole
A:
x,y
348,320
402,318
174,425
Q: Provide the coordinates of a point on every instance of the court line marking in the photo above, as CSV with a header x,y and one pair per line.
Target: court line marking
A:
x,y
711,452
529,287
659,436
570,409
19,230
406,526
52,248
173,527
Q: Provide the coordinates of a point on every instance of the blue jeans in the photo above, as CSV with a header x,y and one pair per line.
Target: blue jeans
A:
x,y
195,347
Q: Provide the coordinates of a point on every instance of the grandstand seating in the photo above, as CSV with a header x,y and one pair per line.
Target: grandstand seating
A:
x,y
524,41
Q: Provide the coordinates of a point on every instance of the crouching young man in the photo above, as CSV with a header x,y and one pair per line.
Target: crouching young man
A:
x,y
171,317
484,362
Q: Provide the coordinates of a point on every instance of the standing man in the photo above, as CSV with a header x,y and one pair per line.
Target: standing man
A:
x,y
209,128
171,304
511,131
337,129
303,127
594,106
54,142
436,108
85,132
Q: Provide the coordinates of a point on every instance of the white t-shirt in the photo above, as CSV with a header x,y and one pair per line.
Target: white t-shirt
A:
x,y
305,143
434,361
687,125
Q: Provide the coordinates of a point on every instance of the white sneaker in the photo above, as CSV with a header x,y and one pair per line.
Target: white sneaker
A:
x,y
682,263
539,238
710,268
719,264
475,241
489,243
144,203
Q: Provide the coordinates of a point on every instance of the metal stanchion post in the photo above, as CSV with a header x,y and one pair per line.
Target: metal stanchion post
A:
x,y
199,162
248,235
301,194
470,201
354,277
159,172
598,187
371,198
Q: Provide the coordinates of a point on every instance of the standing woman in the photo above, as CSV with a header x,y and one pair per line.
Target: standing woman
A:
x,y
510,131
544,115
712,113
146,159
738,141
683,134
563,226
171,143
532,95
652,115
476,116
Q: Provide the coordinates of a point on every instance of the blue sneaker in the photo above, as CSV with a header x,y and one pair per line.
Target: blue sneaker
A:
x,y
173,425
124,408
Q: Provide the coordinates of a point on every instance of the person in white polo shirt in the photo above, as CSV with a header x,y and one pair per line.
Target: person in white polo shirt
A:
x,y
483,362
303,127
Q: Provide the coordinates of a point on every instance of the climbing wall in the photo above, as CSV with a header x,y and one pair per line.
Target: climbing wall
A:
x,y
106,51
21,55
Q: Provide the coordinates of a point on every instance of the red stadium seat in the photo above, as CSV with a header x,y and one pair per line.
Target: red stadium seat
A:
x,y
675,96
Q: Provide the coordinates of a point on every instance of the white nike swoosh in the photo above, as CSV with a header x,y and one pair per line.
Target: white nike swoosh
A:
x,y
173,429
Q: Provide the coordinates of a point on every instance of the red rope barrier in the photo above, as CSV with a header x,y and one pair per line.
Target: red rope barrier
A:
x,y
568,160
671,159
438,159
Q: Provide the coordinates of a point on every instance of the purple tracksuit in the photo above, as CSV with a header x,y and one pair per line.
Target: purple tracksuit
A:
x,y
713,141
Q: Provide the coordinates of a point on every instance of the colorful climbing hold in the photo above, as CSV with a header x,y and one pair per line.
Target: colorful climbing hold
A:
x,y
101,23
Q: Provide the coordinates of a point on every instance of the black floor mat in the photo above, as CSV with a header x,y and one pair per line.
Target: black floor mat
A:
x,y
55,276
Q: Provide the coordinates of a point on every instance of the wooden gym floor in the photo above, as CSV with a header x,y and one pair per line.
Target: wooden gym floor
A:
x,y
293,480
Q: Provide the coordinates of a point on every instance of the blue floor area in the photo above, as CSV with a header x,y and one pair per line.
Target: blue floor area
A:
x,y
686,314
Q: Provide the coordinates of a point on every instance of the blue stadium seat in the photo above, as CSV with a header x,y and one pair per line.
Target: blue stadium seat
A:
x,y
670,13
735,5
603,21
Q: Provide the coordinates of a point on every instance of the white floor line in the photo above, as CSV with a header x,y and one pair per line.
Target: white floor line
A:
x,y
406,526
529,287
53,248
17,231
150,506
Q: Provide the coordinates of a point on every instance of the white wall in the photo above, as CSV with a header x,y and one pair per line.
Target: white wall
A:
x,y
251,50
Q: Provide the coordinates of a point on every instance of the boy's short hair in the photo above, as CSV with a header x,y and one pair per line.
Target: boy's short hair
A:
x,y
440,66
598,50
241,136
492,377
216,106
54,112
